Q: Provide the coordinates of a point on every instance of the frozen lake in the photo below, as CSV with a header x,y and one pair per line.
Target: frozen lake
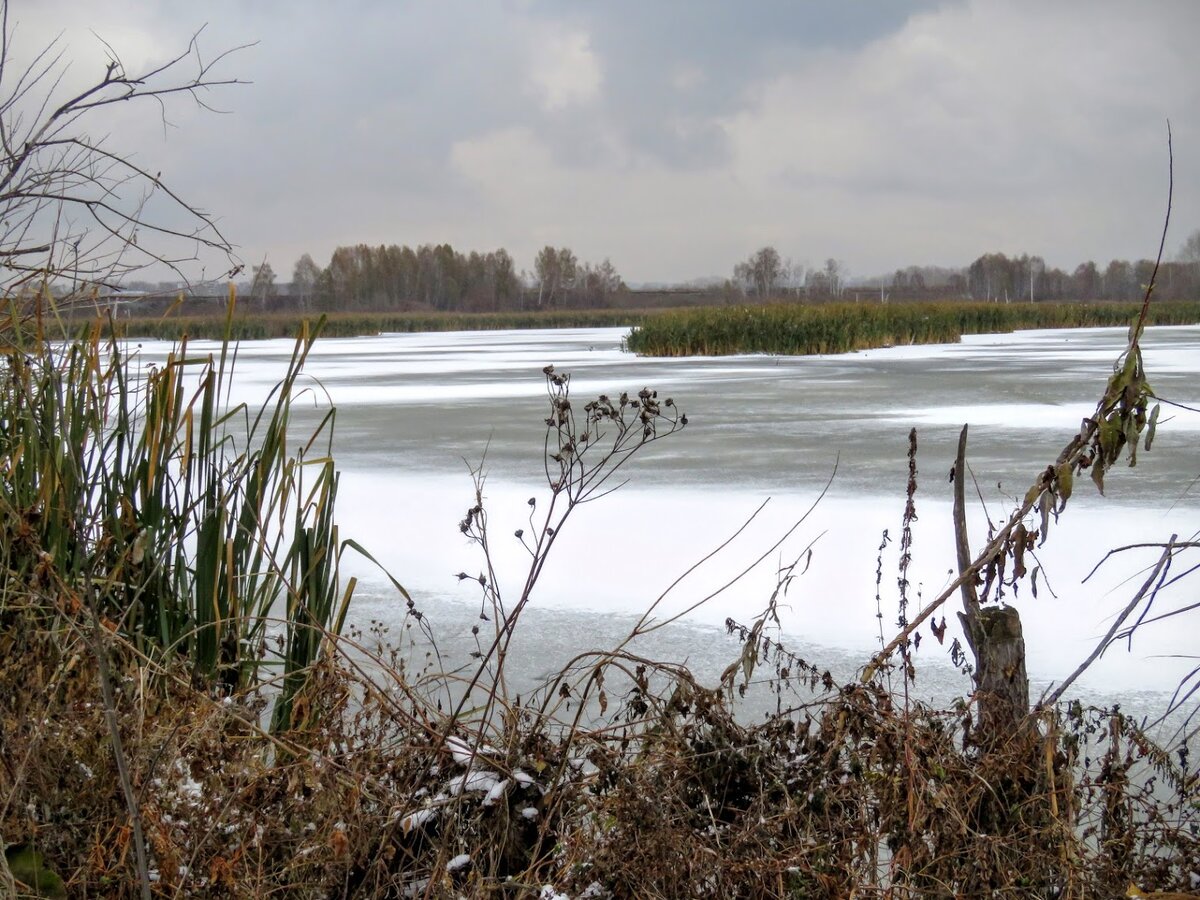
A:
x,y
415,411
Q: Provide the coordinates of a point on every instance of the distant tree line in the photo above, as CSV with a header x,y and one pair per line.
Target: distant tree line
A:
x,y
766,274
438,277
995,276
991,277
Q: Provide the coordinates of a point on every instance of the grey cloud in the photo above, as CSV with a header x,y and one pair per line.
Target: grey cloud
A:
x,y
882,133
730,47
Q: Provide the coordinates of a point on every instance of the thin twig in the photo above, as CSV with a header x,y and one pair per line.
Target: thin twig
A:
x,y
1179,545
1159,569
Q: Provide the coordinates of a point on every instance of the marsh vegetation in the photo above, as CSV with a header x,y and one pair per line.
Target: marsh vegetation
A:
x,y
187,710
796,329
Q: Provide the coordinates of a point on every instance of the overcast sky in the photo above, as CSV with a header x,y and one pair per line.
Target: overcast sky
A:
x,y
674,138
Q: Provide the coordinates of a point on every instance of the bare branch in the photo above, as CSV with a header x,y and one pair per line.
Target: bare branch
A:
x,y
49,165
1155,575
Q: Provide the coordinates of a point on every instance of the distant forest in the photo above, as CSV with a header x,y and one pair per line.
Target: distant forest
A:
x,y
438,277
991,277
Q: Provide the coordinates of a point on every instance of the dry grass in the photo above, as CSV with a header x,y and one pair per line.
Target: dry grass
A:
x,y
667,793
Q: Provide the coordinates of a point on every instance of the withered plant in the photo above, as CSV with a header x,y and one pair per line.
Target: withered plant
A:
x,y
148,564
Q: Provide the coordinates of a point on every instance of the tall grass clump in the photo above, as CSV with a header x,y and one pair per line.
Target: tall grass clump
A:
x,y
798,329
196,528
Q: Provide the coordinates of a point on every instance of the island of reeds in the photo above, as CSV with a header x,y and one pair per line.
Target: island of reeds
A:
x,y
801,329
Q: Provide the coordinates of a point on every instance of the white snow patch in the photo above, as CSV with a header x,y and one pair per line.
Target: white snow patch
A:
x,y
496,792
462,752
189,787
463,859
417,819
416,887
472,782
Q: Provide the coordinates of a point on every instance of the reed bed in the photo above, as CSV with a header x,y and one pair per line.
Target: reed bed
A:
x,y
194,528
798,329
251,326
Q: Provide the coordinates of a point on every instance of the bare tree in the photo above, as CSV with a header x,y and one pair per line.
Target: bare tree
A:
x,y
556,271
72,211
793,276
1037,268
761,272
835,273
1189,252
304,279
262,287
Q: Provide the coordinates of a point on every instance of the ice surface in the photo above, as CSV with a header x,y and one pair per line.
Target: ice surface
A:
x,y
416,411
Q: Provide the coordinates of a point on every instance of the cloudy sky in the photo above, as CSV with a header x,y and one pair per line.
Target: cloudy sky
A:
x,y
674,138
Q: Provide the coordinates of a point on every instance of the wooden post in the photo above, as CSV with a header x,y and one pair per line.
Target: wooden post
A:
x,y
993,634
